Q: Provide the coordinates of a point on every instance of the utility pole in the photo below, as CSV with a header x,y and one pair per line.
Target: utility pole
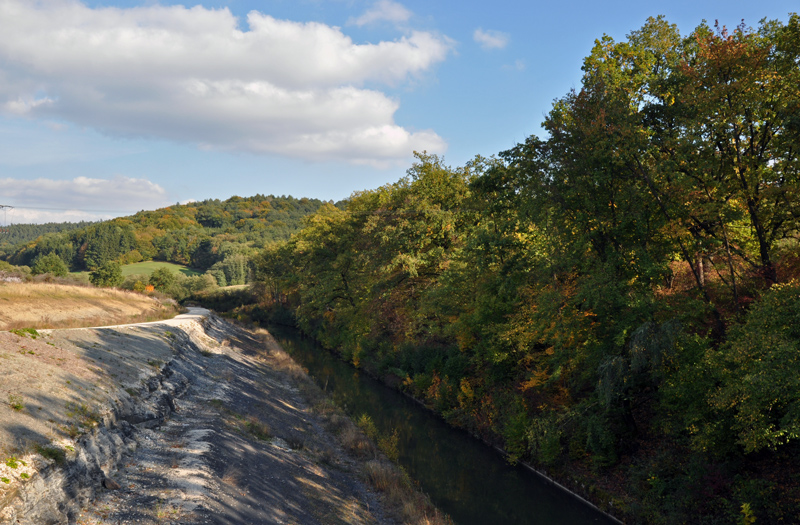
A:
x,y
5,207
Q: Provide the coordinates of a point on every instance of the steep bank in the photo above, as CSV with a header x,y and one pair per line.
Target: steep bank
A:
x,y
183,421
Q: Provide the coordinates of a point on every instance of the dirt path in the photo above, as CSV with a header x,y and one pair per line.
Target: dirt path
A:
x,y
211,431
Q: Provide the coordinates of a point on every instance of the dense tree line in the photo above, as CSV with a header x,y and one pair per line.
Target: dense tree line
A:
x,y
617,298
209,235
13,235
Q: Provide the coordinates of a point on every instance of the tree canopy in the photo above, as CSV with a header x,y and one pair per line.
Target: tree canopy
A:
x,y
617,295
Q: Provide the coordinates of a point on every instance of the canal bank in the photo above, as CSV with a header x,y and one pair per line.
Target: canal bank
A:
x,y
464,477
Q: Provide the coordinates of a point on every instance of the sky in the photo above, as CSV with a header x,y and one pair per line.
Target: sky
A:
x,y
108,107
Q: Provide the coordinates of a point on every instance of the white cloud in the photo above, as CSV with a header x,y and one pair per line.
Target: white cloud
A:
x,y
81,198
490,39
181,74
383,11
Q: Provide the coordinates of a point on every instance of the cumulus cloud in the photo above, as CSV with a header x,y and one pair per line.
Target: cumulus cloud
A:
x,y
191,74
81,198
383,11
490,39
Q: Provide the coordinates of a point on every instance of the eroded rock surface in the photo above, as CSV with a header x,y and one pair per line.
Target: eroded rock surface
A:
x,y
195,425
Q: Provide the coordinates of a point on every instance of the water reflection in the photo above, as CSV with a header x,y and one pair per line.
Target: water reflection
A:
x,y
464,477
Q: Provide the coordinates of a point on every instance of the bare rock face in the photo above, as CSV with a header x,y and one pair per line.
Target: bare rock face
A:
x,y
215,460
56,493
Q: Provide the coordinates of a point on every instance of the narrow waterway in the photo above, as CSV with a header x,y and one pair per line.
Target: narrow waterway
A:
x,y
465,478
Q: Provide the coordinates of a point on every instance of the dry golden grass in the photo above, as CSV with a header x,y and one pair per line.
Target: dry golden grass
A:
x,y
401,495
52,305
355,442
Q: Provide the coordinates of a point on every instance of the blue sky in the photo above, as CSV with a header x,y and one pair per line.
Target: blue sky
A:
x,y
108,107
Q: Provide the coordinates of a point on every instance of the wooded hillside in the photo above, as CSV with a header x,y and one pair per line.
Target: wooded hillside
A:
x,y
14,235
198,234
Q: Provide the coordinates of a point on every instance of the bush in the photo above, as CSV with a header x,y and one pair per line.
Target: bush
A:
x,y
135,282
181,287
50,263
108,274
218,275
163,279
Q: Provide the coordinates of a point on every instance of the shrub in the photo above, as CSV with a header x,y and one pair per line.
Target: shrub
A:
x,y
108,274
56,454
50,263
15,402
163,279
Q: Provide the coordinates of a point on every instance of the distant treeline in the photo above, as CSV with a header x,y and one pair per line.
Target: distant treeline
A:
x,y
198,234
15,235
617,302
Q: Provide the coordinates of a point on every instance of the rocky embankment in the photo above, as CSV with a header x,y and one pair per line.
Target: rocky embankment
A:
x,y
191,420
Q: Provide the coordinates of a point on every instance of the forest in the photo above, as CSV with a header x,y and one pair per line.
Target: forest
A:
x,y
616,302
198,234
14,235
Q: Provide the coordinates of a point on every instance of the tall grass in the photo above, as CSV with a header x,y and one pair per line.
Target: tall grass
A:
x,y
50,305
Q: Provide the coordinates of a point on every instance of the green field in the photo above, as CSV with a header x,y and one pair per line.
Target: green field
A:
x,y
148,267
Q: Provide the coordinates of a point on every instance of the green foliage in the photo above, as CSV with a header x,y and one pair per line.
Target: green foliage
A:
x,y
147,268
106,242
50,263
25,332
584,297
57,455
219,276
162,279
757,372
388,445
199,233
15,402
19,234
544,438
232,270
367,426
747,517
108,274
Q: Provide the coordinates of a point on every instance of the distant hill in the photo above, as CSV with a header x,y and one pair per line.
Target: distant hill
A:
x,y
198,234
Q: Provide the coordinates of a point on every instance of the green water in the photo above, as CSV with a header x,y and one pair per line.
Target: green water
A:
x,y
465,478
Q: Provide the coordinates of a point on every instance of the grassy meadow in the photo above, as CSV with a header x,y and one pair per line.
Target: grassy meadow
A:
x,y
148,267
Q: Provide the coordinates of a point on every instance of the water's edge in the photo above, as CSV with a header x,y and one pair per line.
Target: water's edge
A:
x,y
321,370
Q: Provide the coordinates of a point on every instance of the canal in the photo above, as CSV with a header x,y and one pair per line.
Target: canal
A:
x,y
463,477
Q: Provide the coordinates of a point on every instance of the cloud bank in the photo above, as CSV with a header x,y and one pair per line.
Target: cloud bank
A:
x,y
82,198
193,75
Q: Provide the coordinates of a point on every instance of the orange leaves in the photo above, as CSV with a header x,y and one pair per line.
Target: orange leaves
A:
x,y
537,379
